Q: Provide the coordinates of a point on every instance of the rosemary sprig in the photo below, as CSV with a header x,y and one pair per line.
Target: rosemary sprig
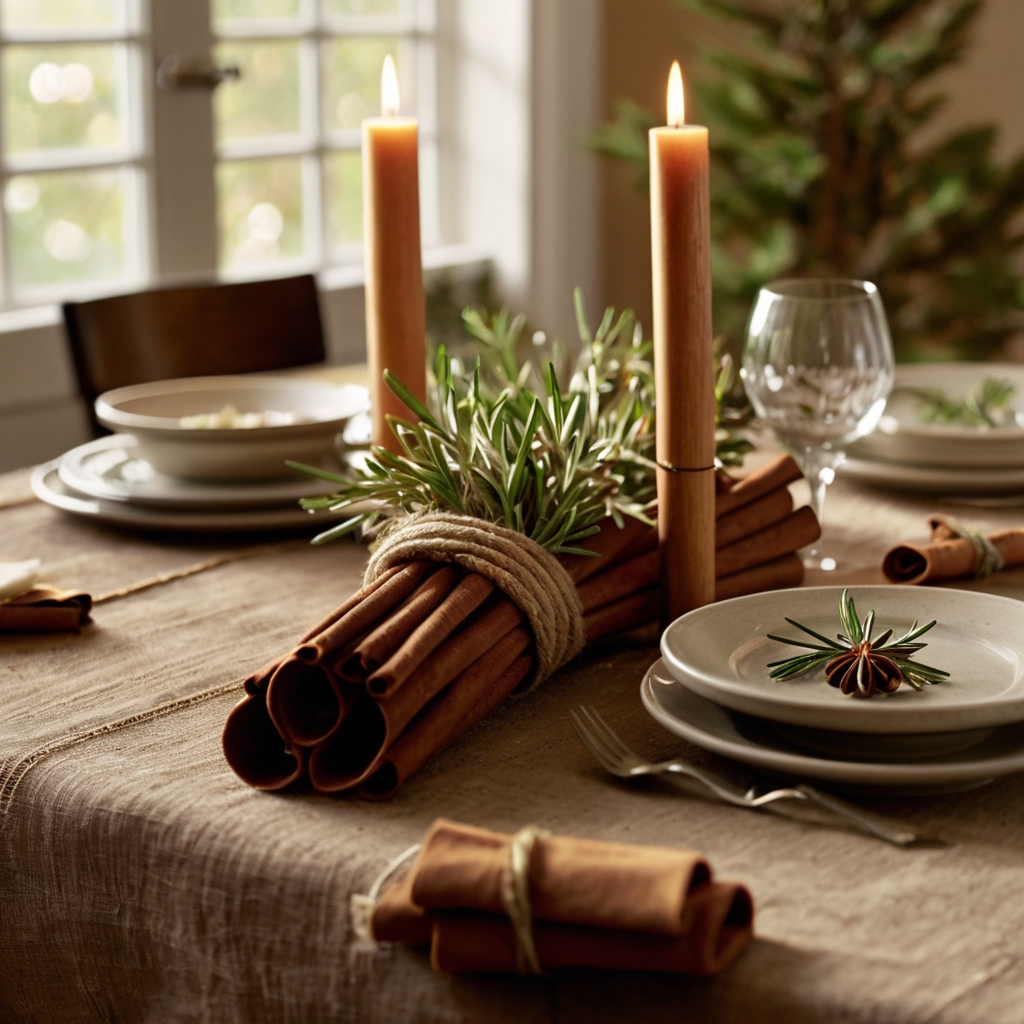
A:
x,y
987,405
855,648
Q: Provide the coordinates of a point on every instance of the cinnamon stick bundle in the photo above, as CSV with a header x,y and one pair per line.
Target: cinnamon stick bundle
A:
x,y
950,555
593,904
417,657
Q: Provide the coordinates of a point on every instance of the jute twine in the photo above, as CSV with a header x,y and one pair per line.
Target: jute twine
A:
x,y
530,576
987,557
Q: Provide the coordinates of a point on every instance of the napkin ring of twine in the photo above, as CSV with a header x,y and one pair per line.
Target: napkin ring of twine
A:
x,y
515,896
987,557
524,571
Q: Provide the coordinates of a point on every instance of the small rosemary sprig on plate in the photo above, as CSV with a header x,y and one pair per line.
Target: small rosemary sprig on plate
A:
x,y
856,663
987,405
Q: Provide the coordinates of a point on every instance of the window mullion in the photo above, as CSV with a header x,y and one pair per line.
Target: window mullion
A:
x,y
183,148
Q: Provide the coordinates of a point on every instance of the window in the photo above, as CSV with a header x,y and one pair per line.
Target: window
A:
x,y
86,193
288,130
73,174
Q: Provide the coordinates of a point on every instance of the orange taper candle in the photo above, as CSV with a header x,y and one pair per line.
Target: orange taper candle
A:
x,y
395,307
683,367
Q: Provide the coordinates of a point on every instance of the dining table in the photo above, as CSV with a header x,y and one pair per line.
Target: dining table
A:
x,y
141,880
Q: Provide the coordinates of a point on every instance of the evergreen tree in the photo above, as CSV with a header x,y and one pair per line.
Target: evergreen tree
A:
x,y
817,168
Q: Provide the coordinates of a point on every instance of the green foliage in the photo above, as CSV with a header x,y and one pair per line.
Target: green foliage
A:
x,y
504,440
987,405
818,169
506,443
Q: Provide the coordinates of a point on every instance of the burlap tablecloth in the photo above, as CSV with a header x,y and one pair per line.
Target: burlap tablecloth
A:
x,y
141,881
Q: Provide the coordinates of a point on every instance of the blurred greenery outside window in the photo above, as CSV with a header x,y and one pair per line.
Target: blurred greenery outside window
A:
x,y
72,144
289,171
77,190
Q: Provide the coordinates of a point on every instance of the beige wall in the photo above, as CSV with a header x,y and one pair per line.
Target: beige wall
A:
x,y
643,37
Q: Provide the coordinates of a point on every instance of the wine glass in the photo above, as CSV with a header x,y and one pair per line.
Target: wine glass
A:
x,y
818,366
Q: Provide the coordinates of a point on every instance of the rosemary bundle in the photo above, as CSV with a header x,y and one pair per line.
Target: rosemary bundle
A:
x,y
989,404
505,442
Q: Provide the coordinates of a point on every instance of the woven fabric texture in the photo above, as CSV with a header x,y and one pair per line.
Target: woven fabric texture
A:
x,y
141,881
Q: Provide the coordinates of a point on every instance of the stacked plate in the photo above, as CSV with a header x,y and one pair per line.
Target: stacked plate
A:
x,y
909,454
712,687
166,475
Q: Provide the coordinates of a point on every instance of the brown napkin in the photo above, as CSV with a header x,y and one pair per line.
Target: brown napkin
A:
x,y
45,608
594,904
953,552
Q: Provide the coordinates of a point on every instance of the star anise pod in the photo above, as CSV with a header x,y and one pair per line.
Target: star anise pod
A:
x,y
858,665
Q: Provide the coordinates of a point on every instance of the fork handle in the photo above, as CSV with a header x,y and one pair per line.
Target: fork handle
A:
x,y
884,829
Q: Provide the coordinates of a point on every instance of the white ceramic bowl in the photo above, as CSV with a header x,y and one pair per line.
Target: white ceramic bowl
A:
x,y
153,412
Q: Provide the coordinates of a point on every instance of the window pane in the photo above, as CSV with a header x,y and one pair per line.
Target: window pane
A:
x,y
350,7
352,78
226,11
265,100
66,226
259,206
62,96
344,176
52,13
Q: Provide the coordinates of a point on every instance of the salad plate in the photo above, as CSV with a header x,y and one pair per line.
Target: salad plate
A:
x,y
721,652
111,468
913,432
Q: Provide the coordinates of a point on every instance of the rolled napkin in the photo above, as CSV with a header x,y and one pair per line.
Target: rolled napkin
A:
x,y
955,551
43,608
486,901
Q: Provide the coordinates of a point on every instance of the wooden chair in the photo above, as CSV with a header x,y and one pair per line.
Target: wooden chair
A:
x,y
193,331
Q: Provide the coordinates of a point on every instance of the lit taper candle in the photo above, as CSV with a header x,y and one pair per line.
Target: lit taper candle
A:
x,y
395,306
684,384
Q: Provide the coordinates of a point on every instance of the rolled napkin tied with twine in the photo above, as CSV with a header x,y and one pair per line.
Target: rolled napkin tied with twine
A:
x,y
955,551
28,606
531,902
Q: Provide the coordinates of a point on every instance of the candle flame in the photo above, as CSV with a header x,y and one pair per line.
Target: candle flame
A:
x,y
390,103
676,105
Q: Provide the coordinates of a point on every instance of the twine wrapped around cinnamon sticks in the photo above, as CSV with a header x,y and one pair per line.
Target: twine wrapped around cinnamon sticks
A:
x,y
456,615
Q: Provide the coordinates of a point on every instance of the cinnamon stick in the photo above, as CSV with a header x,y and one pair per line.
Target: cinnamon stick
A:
x,y
385,639
777,473
306,702
255,750
353,751
790,534
787,571
948,556
754,516
609,543
641,607
359,596
470,593
471,697
367,607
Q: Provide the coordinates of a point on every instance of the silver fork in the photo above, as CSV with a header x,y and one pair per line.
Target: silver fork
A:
x,y
612,753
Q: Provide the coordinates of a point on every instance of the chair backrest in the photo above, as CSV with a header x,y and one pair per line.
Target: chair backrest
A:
x,y
194,331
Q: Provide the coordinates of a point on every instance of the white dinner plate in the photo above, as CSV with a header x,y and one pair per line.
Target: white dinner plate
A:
x,y
903,437
109,468
754,742
48,487
723,649
932,479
